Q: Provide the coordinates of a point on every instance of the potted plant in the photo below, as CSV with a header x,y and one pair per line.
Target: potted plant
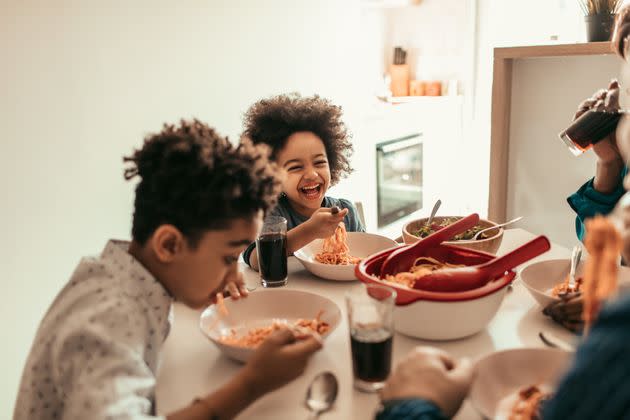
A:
x,y
599,18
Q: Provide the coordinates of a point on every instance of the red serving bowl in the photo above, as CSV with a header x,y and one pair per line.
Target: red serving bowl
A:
x,y
369,269
441,315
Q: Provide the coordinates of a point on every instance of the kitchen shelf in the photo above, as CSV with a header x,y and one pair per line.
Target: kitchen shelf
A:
x,y
554,50
399,100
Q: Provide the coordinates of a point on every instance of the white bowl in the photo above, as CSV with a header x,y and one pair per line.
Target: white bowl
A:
x,y
539,278
434,320
501,374
262,308
361,245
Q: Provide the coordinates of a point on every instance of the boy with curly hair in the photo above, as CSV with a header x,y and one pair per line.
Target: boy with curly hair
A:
x,y
200,201
311,143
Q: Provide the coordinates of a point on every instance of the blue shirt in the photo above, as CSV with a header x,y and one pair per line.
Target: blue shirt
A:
x,y
596,387
587,202
284,209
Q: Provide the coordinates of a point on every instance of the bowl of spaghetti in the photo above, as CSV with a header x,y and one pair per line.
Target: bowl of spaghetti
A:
x,y
438,315
512,384
546,280
416,229
238,327
334,258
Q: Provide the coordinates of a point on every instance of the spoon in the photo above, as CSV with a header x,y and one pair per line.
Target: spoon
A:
x,y
436,206
552,341
403,258
321,394
496,227
471,277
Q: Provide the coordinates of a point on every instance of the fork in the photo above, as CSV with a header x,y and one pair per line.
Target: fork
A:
x,y
576,255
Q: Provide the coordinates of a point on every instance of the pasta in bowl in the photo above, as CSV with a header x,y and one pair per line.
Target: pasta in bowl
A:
x,y
335,258
509,384
544,279
438,315
239,328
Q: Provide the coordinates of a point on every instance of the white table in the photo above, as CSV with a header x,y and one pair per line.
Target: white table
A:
x,y
193,366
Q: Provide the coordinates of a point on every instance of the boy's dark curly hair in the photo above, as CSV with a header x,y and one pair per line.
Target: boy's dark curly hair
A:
x,y
272,121
196,180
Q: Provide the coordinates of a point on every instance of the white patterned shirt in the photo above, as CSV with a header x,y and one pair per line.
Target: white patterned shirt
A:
x,y
95,355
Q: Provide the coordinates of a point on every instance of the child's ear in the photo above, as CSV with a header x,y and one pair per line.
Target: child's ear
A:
x,y
167,242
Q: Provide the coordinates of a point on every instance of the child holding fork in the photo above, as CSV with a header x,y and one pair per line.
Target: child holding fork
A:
x,y
311,144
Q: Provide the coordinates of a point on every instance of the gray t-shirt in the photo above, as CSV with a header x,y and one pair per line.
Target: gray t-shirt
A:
x,y
284,209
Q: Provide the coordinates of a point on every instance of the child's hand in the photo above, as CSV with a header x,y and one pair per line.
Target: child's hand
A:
x,y
235,283
234,286
279,360
323,222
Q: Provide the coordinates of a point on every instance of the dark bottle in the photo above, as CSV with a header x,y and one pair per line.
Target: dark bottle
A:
x,y
371,354
272,258
590,128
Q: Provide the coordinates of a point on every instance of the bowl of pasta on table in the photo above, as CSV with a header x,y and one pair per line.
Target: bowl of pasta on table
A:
x,y
513,384
488,242
546,280
334,258
238,327
434,315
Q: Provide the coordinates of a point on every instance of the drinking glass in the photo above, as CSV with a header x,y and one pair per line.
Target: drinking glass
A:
x,y
271,246
370,317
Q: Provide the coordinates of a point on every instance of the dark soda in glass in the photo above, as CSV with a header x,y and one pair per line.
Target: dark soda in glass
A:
x,y
371,354
272,258
590,128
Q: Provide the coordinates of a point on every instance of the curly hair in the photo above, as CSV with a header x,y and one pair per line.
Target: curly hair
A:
x,y
196,180
272,121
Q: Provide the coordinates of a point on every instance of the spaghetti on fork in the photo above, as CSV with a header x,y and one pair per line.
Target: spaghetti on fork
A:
x,y
335,249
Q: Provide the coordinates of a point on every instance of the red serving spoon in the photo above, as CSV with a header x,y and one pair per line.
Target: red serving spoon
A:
x,y
471,277
402,259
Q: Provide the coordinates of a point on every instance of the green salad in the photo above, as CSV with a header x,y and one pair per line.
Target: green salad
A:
x,y
426,230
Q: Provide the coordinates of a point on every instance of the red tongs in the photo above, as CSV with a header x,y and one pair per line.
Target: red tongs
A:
x,y
403,258
472,277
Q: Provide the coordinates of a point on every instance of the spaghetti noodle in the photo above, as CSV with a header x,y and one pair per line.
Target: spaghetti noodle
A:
x,y
528,404
335,249
604,245
420,268
255,336
564,287
223,311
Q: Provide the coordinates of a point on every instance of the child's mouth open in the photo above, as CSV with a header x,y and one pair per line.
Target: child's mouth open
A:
x,y
311,191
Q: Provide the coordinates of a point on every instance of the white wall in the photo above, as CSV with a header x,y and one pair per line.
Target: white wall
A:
x,y
542,172
82,83
434,34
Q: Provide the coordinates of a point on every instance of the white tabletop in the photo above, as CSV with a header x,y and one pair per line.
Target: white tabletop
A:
x,y
192,366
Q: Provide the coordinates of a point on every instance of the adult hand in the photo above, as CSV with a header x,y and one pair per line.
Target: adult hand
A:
x,y
567,312
606,149
433,375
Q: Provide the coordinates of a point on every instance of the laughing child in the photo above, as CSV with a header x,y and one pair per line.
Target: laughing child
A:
x,y
310,142
199,202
